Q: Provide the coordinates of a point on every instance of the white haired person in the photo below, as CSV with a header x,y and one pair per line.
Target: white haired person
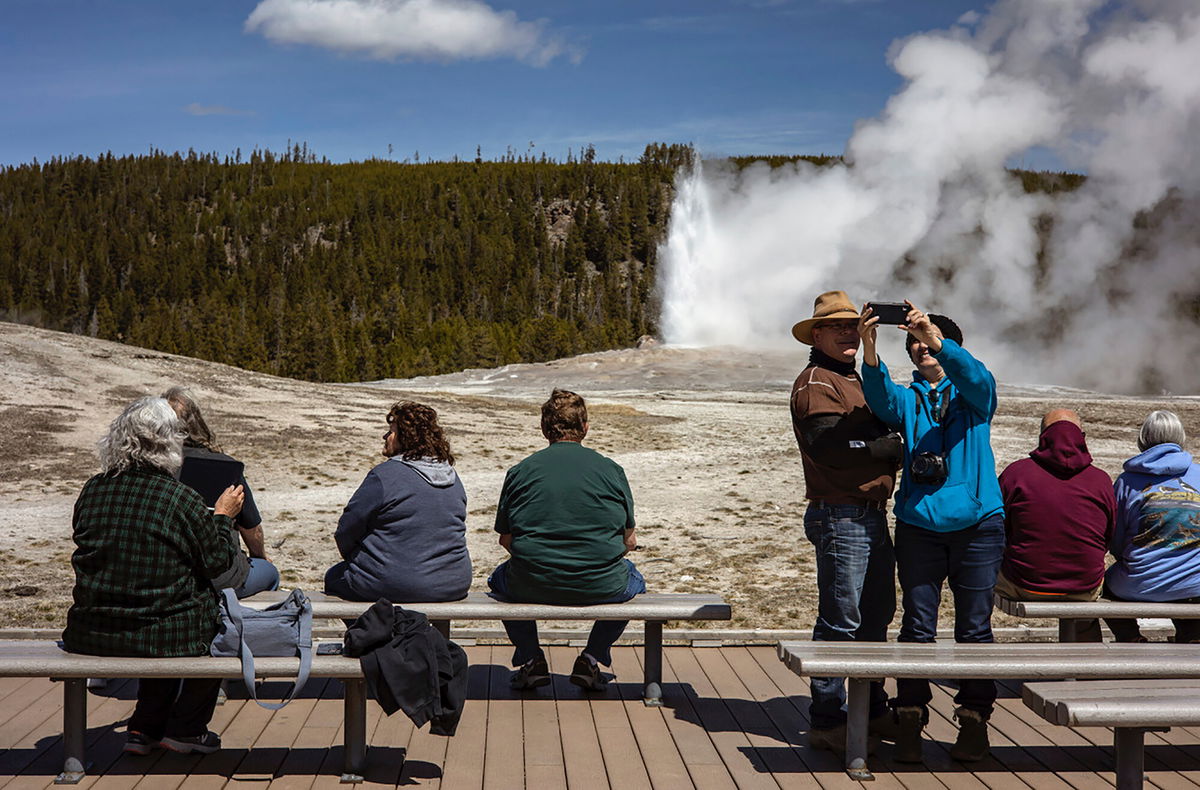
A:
x,y
1156,542
208,470
147,552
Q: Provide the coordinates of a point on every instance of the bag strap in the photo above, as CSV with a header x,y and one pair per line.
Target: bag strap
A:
x,y
303,647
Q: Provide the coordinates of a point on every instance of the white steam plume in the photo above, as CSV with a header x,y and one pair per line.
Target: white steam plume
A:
x,y
416,29
924,208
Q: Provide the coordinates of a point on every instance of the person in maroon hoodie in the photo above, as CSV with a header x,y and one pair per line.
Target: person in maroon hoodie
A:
x,y
1059,516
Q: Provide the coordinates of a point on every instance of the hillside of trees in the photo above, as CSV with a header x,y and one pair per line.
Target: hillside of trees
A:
x,y
337,272
346,272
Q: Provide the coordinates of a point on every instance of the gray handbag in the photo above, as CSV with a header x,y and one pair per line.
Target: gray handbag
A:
x,y
282,629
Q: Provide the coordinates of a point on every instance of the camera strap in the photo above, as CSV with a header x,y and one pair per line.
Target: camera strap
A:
x,y
939,405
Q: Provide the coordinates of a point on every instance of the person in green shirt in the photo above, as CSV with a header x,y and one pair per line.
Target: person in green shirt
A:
x,y
566,517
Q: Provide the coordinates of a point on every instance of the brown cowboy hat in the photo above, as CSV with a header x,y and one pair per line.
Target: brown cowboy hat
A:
x,y
831,304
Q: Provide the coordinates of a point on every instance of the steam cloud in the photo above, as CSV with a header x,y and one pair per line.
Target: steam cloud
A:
x,y
925,209
417,29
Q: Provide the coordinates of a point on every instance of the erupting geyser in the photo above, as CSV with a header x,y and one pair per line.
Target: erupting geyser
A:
x,y
1097,287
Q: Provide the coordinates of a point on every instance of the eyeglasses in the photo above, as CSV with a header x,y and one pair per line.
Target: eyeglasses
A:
x,y
838,326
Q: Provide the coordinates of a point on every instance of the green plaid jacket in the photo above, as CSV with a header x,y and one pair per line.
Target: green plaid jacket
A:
x,y
146,550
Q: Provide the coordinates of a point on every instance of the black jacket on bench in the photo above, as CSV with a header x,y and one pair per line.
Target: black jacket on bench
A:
x,y
410,666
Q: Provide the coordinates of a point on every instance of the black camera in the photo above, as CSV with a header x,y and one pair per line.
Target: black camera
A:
x,y
928,468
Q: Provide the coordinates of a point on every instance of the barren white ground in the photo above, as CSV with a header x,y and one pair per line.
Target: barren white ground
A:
x,y
704,435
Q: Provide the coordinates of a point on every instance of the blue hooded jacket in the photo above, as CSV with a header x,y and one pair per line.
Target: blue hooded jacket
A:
x,y
1157,539
970,493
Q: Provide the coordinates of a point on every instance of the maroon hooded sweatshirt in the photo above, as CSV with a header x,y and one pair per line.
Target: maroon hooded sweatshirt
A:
x,y
1059,513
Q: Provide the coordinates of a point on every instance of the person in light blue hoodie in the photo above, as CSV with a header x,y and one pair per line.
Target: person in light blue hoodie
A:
x,y
949,511
1156,542
403,534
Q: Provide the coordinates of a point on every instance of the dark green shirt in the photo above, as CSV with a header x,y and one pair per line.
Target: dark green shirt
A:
x,y
567,508
147,548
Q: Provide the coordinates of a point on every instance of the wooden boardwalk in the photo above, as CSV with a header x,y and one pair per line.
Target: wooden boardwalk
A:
x,y
735,718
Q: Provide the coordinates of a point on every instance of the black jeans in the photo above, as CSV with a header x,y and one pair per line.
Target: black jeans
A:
x,y
170,706
969,560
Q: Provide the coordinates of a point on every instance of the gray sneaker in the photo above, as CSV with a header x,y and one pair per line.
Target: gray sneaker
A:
x,y
207,743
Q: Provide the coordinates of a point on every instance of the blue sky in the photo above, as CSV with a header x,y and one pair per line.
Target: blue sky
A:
x,y
440,77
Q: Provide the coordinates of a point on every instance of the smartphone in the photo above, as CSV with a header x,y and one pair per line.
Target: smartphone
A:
x,y
889,312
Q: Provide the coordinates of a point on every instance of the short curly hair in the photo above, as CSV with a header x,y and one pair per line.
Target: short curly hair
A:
x,y
418,434
564,417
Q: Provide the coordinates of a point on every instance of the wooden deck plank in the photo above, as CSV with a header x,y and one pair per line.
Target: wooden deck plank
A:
x,y
762,673
583,761
504,755
544,765
694,744
311,750
736,750
623,760
662,762
271,747
776,752
463,767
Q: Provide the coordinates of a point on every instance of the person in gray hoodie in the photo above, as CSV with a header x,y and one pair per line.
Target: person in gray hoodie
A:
x,y
402,536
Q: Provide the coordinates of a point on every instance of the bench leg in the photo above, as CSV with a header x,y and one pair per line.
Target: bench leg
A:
x,y
355,730
652,688
443,627
1129,752
74,730
858,703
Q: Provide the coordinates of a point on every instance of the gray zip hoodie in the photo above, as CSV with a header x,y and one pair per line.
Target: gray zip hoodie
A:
x,y
403,533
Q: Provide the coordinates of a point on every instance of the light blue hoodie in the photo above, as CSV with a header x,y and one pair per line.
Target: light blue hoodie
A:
x,y
970,492
1157,540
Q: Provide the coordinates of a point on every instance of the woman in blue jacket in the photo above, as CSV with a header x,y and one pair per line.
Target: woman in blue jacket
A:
x,y
403,535
1156,542
949,511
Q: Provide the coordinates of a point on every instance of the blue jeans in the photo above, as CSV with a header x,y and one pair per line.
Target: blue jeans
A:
x,y
263,576
969,559
524,635
856,594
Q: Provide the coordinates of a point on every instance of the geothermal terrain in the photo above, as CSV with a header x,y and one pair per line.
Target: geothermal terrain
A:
x,y
704,435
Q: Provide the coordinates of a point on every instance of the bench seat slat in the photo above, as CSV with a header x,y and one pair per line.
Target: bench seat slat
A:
x,y
1019,661
480,606
1072,610
1161,703
27,658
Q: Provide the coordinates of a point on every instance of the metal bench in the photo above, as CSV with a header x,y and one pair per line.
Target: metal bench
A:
x,y
862,662
1131,707
653,608
1067,612
27,658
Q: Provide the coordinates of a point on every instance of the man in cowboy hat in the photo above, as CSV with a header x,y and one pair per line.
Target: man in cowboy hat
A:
x,y
850,460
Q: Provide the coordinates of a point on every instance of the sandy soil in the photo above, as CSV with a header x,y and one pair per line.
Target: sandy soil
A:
x,y
703,434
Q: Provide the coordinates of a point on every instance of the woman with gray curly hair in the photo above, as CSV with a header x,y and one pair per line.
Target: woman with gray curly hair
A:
x,y
1156,543
147,553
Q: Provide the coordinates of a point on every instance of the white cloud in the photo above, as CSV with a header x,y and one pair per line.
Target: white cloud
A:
x,y
438,30
213,109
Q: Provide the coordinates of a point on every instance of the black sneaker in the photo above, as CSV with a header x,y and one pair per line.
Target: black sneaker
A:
x,y
207,743
586,674
139,743
535,673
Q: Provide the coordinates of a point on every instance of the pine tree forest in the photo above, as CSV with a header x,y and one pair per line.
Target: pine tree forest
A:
x,y
338,272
